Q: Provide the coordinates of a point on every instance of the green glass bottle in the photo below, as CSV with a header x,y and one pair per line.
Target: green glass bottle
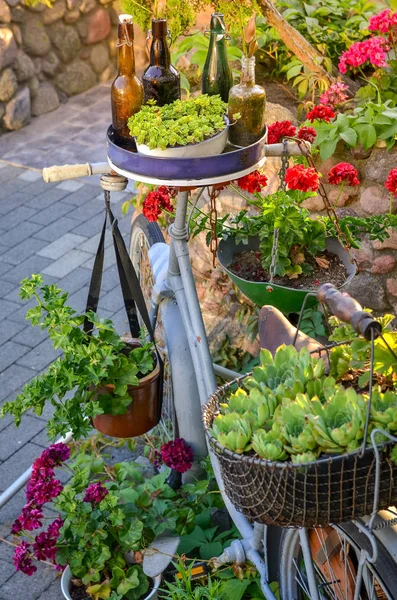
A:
x,y
217,75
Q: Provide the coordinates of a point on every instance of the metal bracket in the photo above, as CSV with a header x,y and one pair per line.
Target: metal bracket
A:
x,y
113,183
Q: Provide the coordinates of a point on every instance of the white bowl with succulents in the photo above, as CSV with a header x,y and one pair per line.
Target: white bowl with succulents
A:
x,y
183,129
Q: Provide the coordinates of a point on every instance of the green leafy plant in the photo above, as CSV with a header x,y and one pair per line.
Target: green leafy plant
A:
x,y
206,538
180,123
362,127
298,412
88,362
184,587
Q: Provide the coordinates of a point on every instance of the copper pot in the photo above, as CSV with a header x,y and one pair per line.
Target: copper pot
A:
x,y
142,414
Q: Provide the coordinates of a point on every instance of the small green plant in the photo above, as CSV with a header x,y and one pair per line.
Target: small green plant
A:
x,y
185,588
88,361
180,123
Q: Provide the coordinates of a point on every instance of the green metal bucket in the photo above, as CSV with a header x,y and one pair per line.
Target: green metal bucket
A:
x,y
286,299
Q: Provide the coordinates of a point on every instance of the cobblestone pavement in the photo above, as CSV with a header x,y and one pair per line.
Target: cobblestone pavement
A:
x,y
51,229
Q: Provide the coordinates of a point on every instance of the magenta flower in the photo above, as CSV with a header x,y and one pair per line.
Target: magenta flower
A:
x,y
22,559
56,454
383,22
95,493
373,50
16,527
44,491
54,527
177,455
335,95
31,518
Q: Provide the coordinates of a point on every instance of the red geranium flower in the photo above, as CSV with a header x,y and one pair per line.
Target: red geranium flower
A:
x,y
321,113
253,182
391,182
155,202
343,172
177,455
308,134
302,178
277,131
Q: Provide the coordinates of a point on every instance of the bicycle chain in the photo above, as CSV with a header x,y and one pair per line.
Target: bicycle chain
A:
x,y
214,194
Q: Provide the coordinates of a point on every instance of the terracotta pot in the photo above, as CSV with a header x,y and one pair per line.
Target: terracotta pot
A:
x,y
142,414
67,577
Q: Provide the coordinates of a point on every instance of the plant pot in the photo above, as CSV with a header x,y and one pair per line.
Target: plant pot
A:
x,y
142,414
67,578
286,299
210,147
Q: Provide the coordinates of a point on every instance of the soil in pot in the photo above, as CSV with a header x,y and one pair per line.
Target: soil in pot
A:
x,y
248,265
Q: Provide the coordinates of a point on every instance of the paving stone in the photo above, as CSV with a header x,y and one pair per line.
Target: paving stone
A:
x,y
112,301
20,314
52,213
70,186
34,264
4,572
7,308
12,468
91,245
6,552
108,261
11,379
66,264
10,171
55,230
13,438
20,233
9,329
41,439
22,251
46,199
16,586
110,279
11,197
90,209
10,352
40,357
85,193
5,288
61,246
120,321
75,281
53,592
17,216
30,336
38,187
29,175
4,267
115,197
5,422
90,227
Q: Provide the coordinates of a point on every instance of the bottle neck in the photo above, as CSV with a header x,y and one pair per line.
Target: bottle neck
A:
x,y
217,29
248,70
160,52
126,57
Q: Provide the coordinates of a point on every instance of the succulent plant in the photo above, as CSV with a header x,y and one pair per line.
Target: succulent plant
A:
x,y
232,431
384,410
268,446
295,427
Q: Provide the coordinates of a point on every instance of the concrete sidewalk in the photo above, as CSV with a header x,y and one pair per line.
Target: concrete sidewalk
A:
x,y
51,229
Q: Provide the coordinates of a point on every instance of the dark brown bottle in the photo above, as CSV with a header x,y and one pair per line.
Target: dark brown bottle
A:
x,y
127,90
161,81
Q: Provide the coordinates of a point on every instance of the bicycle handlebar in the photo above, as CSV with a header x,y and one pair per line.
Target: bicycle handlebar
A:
x,y
65,172
348,310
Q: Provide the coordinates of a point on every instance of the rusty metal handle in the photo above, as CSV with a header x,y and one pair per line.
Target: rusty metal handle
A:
x,y
348,310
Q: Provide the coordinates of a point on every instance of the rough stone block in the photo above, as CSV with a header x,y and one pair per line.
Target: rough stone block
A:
x,y
375,200
66,40
8,47
17,113
46,99
50,64
391,285
390,242
99,57
379,164
35,38
5,13
72,16
54,13
369,291
23,66
383,264
8,85
76,78
98,25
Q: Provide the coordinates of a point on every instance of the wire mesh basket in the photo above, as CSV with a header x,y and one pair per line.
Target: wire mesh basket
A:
x,y
332,489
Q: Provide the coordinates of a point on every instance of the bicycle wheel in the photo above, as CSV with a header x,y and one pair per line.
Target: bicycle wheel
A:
x,y
335,553
143,235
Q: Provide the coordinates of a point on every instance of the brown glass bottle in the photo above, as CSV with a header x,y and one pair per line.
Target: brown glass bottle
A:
x,y
127,90
161,81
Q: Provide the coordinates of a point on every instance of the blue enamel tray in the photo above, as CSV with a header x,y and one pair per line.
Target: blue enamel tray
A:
x,y
207,170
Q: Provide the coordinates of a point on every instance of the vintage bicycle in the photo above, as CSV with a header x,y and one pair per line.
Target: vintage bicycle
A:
x,y
349,560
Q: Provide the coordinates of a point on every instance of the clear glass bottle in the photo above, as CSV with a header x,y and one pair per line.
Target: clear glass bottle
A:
x,y
248,99
161,81
126,90
217,75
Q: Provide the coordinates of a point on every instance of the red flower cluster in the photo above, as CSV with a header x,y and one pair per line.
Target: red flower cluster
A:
x,y
391,182
177,455
373,49
343,172
335,95
41,488
384,22
253,182
302,178
157,201
95,493
321,113
279,130
308,134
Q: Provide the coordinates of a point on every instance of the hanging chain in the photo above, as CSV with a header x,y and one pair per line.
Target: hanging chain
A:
x,y
333,217
276,232
214,194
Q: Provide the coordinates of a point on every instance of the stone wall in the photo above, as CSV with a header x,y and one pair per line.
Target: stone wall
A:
x,y
48,54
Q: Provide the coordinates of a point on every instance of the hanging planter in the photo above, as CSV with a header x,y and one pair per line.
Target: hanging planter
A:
x,y
286,299
66,584
143,412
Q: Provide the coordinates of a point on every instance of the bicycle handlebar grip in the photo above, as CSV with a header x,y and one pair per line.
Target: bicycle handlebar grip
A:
x,y
64,172
348,310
